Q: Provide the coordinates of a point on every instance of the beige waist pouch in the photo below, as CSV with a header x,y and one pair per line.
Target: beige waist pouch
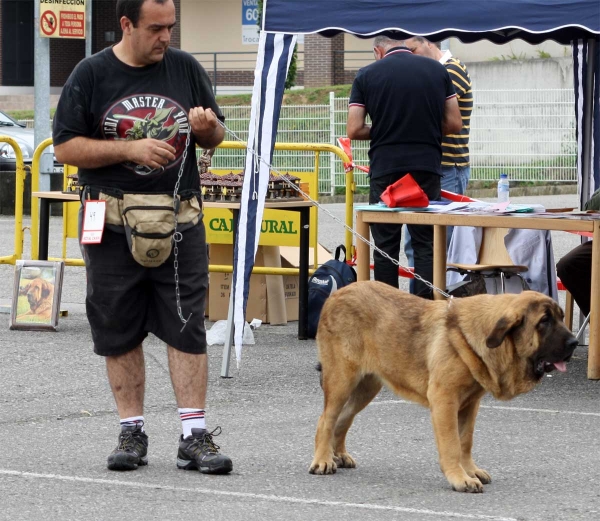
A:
x,y
149,222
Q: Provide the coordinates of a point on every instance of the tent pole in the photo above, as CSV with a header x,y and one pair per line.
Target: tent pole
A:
x,y
588,117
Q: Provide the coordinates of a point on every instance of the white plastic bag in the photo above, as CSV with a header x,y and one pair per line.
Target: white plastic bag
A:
x,y
216,334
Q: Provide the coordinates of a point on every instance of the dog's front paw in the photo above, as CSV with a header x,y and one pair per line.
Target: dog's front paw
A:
x,y
322,467
482,475
343,460
475,472
464,483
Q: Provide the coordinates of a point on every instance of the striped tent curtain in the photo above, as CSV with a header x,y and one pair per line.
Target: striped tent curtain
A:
x,y
586,63
274,55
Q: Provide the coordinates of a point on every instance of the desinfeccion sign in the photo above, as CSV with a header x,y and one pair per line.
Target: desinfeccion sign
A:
x,y
62,18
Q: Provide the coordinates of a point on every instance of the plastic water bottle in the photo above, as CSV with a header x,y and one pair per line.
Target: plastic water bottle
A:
x,y
503,187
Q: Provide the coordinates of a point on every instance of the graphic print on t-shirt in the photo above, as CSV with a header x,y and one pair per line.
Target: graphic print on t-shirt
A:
x,y
147,116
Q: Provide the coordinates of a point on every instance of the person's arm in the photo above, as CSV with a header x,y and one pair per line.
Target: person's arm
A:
x,y
84,152
356,128
452,122
206,128
461,80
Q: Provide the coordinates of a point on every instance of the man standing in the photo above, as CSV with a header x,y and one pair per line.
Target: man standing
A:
x,y
411,103
456,169
455,147
129,118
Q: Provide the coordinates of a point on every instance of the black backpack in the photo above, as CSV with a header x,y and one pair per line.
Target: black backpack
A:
x,y
326,279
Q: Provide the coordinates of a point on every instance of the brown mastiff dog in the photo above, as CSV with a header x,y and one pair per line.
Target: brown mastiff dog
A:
x,y
444,355
40,294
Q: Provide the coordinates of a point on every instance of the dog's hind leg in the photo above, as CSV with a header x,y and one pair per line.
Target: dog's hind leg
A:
x,y
362,395
466,426
338,382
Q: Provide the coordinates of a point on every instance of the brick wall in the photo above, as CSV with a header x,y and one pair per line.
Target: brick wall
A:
x,y
349,77
237,78
66,53
322,65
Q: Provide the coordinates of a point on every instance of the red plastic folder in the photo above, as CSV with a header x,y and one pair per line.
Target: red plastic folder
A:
x,y
405,193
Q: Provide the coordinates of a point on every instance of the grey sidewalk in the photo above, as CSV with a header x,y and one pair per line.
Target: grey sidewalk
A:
x,y
58,423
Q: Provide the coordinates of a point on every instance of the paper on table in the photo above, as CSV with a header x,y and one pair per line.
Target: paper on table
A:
x,y
432,208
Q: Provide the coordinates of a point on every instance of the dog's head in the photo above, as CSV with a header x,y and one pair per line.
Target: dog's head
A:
x,y
37,291
532,325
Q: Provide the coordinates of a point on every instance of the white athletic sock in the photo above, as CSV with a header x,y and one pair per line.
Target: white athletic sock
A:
x,y
191,419
134,421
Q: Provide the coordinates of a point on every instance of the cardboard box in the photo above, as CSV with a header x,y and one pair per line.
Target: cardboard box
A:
x,y
267,298
273,299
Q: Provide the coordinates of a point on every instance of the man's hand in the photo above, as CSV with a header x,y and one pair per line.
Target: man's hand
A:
x,y
205,126
151,152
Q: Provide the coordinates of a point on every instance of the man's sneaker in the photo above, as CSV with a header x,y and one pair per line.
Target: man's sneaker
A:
x,y
199,451
131,451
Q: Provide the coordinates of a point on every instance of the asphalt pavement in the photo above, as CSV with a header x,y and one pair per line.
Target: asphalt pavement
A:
x,y
58,423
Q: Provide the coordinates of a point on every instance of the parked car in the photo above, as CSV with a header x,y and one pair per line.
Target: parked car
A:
x,y
25,139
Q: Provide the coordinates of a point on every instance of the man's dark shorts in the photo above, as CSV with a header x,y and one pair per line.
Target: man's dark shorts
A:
x,y
126,301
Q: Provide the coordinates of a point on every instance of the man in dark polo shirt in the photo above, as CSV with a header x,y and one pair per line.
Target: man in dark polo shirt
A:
x,y
411,102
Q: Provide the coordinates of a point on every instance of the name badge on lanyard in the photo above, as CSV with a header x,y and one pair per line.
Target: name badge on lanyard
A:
x,y
93,222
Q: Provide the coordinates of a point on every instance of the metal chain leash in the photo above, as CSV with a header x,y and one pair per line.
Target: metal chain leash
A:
x,y
177,236
320,207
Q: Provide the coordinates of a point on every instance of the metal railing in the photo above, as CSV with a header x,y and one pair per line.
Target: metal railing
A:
x,y
528,134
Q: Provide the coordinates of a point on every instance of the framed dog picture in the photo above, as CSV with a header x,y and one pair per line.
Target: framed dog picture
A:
x,y
36,295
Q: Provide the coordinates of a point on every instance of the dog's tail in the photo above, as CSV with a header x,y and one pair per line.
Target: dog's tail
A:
x,y
319,368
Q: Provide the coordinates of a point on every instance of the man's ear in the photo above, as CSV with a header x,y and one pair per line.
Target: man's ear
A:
x,y
126,25
502,328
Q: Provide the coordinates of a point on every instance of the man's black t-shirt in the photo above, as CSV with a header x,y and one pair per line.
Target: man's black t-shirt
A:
x,y
106,99
404,95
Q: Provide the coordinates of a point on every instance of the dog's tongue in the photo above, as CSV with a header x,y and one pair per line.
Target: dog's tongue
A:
x,y
561,366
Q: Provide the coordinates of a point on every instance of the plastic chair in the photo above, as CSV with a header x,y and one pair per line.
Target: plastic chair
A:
x,y
493,260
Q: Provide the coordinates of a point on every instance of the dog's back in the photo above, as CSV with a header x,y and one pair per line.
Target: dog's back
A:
x,y
382,333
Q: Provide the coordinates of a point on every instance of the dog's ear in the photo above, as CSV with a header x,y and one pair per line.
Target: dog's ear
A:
x,y
46,289
503,327
24,289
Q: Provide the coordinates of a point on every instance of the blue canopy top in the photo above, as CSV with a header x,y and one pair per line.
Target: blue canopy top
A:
x,y
499,21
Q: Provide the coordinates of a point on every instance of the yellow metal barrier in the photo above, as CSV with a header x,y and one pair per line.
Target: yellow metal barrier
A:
x,y
19,189
35,206
70,210
218,221
218,228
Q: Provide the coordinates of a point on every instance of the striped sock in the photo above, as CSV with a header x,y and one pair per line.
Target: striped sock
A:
x,y
134,421
191,419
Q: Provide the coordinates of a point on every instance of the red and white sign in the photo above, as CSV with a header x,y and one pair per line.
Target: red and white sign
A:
x,y
48,23
72,24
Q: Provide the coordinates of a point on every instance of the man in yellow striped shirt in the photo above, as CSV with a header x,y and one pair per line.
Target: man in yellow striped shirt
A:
x,y
456,169
455,147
